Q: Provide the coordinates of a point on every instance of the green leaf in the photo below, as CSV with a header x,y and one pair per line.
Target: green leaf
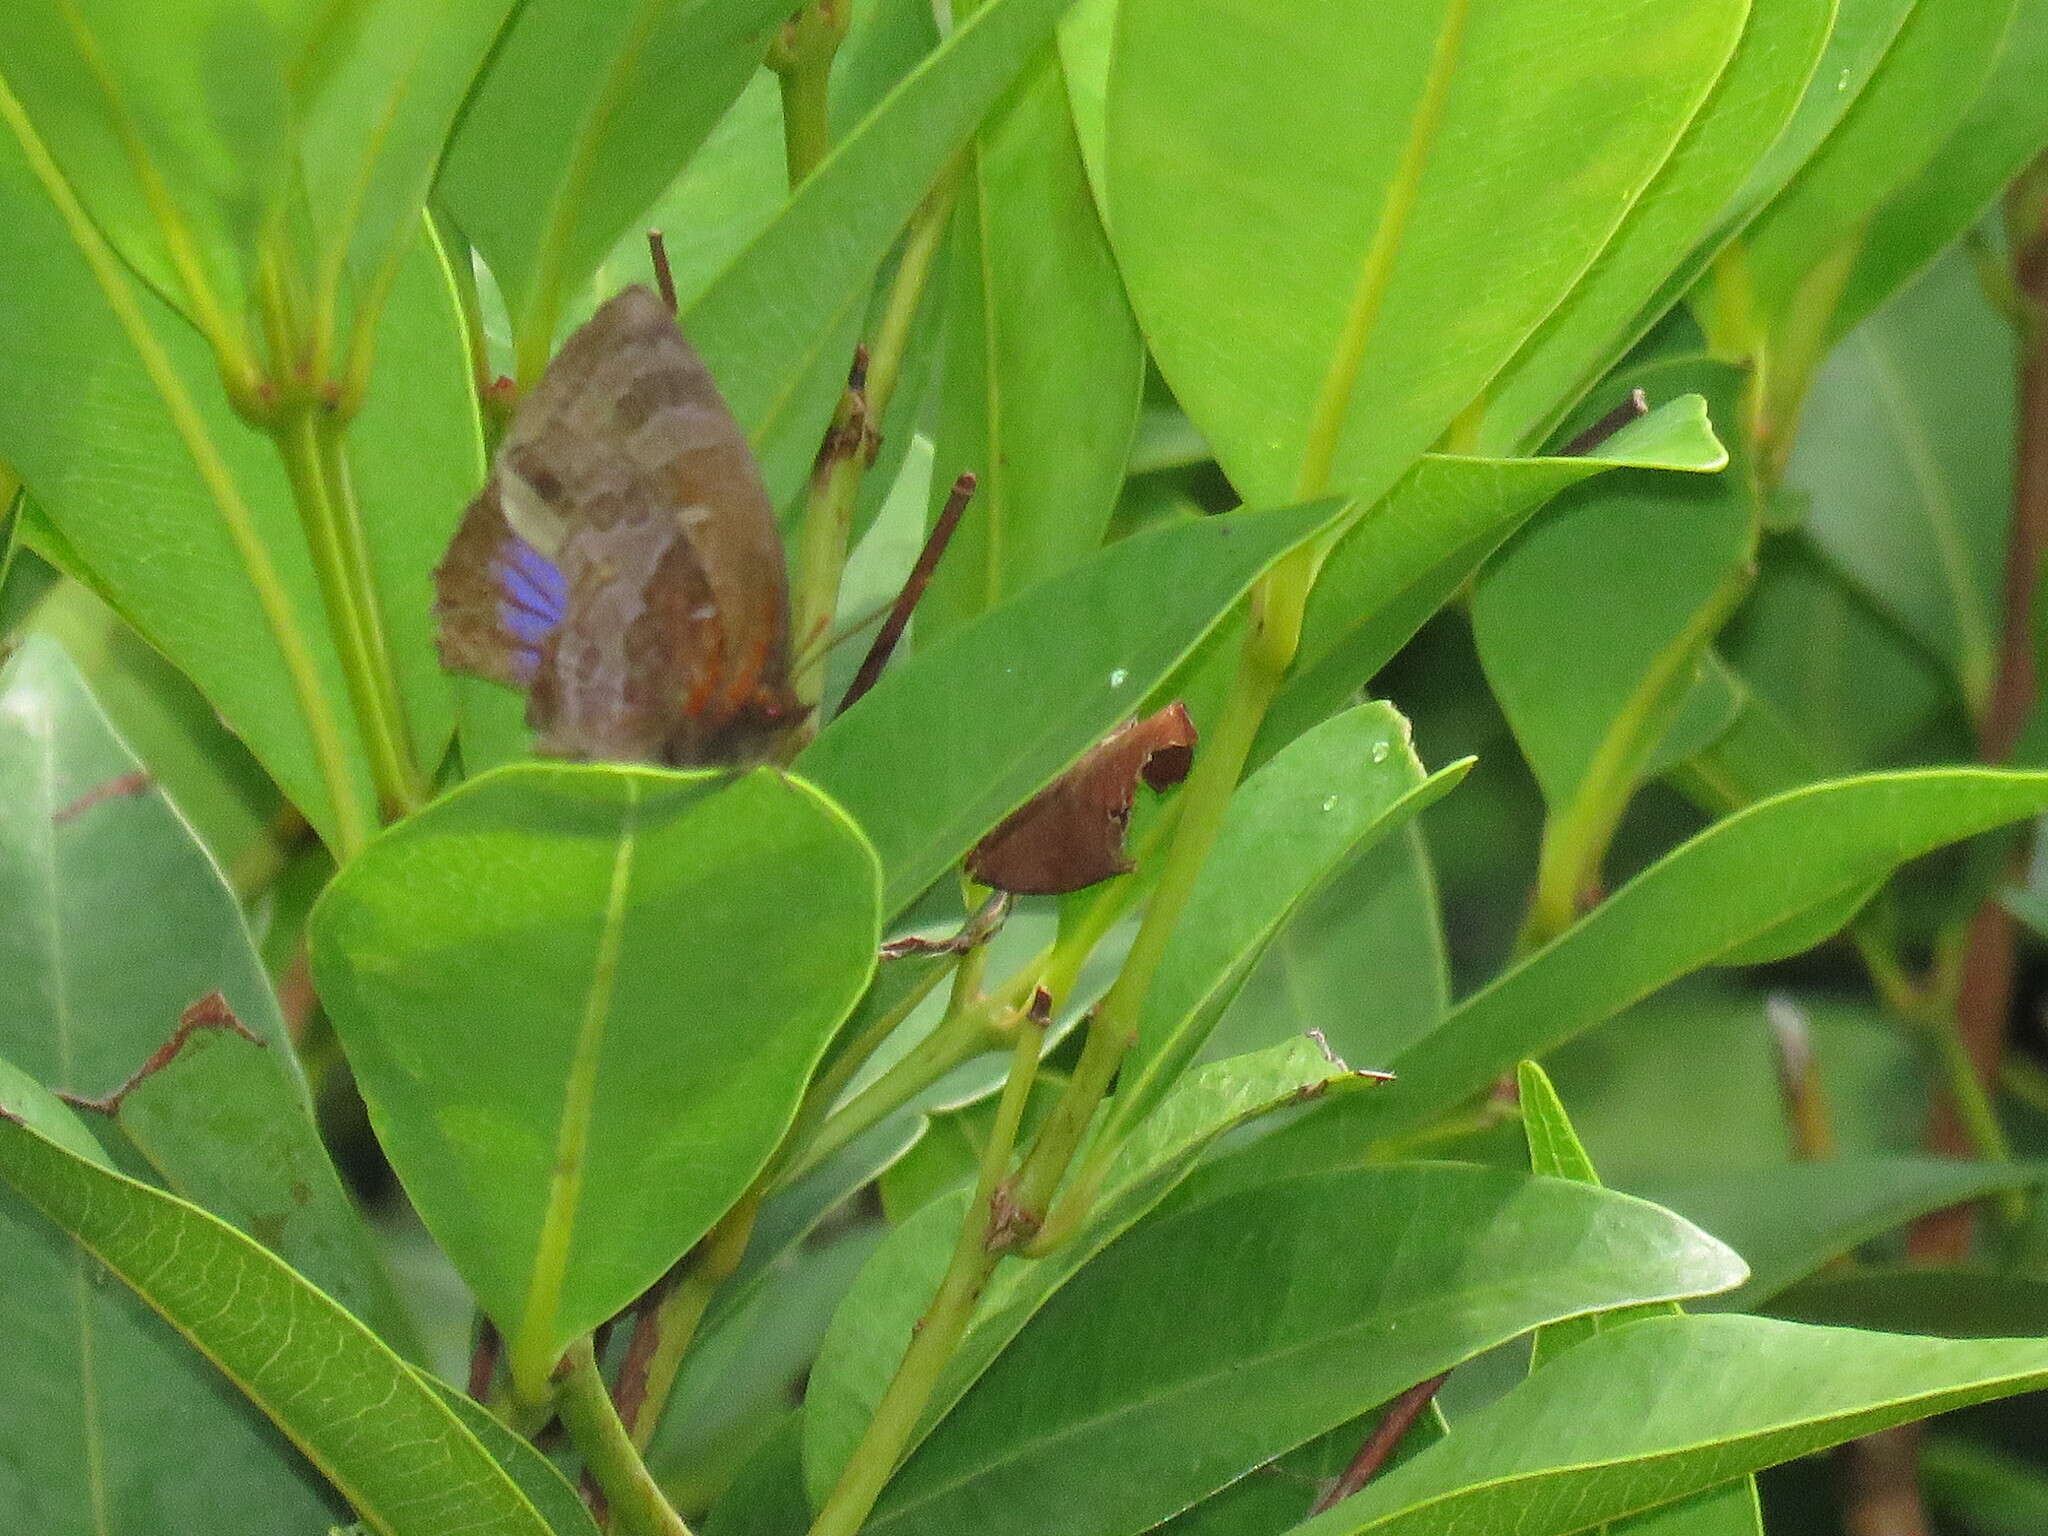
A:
x,y
1790,1221
1915,100
1590,631
1322,1296
178,511
775,326
2006,127
180,145
1906,451
584,115
1372,931
373,1426
1721,1396
1043,363
582,1003
1407,556
873,1326
1320,802
391,80
1049,672
204,770
1318,284
112,922
1987,1490
1962,1302
1686,911
1663,236
544,1486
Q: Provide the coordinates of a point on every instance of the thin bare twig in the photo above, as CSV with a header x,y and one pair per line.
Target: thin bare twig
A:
x,y
1385,1439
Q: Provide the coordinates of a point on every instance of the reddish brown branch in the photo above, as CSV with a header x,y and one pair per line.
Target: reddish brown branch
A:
x,y
1634,408
1385,1439
134,782
913,590
210,1012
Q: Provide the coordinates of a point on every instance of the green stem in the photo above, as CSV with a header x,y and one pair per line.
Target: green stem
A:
x,y
945,1322
1276,612
318,472
966,1030
636,1500
825,529
801,57
683,1309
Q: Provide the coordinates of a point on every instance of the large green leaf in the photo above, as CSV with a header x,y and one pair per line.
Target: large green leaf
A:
x,y
1048,673
1407,556
874,1325
1327,286
1043,363
1916,98
112,922
776,325
1740,878
1666,228
1709,1398
1906,453
1950,1301
2006,127
1134,1393
582,1003
585,114
364,1417
1321,801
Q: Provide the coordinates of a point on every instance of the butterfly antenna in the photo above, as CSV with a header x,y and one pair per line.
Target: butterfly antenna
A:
x,y
664,279
913,590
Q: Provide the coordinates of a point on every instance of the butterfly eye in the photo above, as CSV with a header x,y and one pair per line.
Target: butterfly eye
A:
x,y
534,598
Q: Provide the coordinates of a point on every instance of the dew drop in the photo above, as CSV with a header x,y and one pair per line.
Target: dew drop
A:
x,y
1118,678
1381,751
1843,83
1330,804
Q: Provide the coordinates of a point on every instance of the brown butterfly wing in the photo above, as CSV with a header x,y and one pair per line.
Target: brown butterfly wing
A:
x,y
675,643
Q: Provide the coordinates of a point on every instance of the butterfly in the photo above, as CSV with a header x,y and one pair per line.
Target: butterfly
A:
x,y
622,564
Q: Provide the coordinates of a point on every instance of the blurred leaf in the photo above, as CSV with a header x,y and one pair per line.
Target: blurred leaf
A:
x,y
1789,1221
1043,363
767,1497
1715,1397
1321,801
1049,673
1951,1302
776,325
1320,293
1917,97
112,922
873,1326
1322,1297
2006,127
585,113
1664,233
378,1432
657,968
1687,910
1907,453
1406,557
1993,1493
1361,961
1814,650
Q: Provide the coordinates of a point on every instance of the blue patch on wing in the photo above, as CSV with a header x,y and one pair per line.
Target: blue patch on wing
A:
x,y
534,599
